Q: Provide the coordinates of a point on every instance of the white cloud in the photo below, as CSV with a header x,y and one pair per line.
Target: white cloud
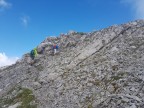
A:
x,y
5,60
4,4
25,20
137,7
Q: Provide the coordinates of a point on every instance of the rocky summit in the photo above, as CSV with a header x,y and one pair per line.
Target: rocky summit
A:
x,y
100,69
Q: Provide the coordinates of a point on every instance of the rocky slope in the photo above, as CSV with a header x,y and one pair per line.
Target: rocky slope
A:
x,y
101,69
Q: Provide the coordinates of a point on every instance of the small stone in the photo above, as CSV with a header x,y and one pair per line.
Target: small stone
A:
x,y
110,88
89,84
132,89
125,99
102,93
36,84
133,47
78,78
119,101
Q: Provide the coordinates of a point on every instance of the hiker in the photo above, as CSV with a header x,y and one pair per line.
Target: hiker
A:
x,y
55,48
33,53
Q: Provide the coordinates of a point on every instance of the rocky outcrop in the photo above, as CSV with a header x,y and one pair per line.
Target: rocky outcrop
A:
x,y
101,69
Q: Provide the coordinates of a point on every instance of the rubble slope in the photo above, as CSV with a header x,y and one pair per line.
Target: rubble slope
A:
x,y
101,69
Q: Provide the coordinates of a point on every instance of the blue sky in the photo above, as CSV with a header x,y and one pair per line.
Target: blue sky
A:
x,y
26,23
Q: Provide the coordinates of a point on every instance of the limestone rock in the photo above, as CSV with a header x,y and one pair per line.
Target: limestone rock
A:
x,y
100,69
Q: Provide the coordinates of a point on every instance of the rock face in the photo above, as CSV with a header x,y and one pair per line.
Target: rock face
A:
x,y
101,69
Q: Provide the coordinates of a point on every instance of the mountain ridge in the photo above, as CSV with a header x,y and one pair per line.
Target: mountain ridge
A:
x,y
101,69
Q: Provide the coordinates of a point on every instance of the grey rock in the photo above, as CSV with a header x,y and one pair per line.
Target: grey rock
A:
x,y
100,69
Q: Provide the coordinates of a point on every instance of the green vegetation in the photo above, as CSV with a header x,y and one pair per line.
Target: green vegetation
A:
x,y
24,96
119,76
86,39
115,86
122,73
89,101
90,106
116,77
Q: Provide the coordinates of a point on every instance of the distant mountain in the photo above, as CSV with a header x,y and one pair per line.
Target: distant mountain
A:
x,y
101,69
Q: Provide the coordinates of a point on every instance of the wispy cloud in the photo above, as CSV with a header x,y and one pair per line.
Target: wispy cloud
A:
x,y
4,4
5,60
137,7
25,20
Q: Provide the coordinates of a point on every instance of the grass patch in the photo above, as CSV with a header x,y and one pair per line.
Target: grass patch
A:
x,y
90,106
96,82
115,78
86,39
122,73
115,86
6,101
25,96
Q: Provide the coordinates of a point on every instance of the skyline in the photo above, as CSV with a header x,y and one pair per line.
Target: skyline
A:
x,y
25,24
